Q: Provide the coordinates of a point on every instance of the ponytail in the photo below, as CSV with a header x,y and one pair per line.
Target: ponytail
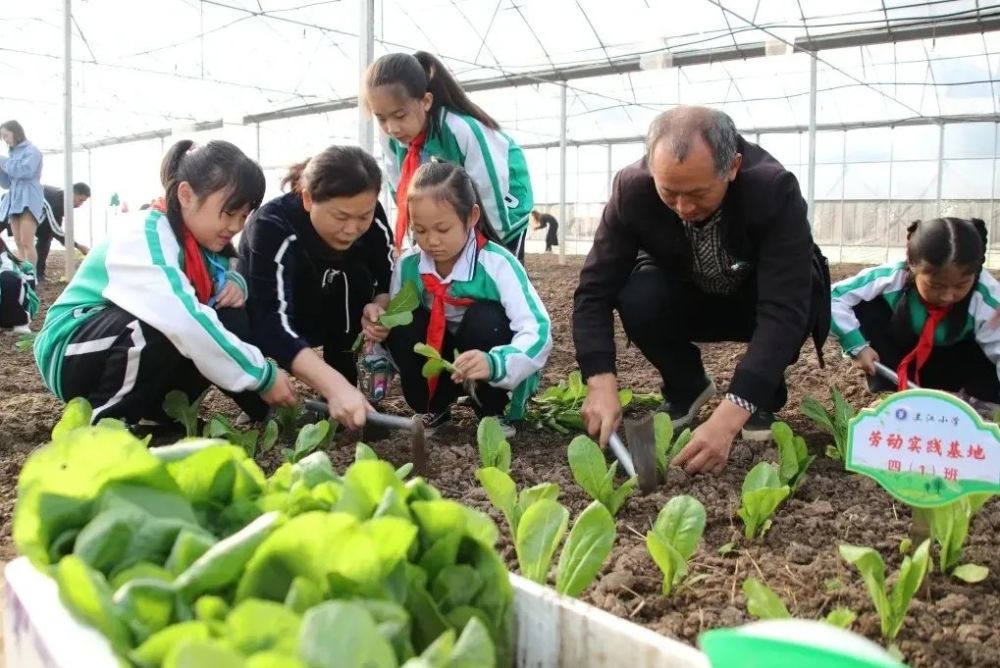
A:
x,y
293,179
423,73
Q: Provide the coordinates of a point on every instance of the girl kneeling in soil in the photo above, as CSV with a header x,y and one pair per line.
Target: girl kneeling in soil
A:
x,y
154,308
475,298
314,257
18,301
926,318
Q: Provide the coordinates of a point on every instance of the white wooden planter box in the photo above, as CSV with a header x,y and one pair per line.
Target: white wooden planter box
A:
x,y
552,631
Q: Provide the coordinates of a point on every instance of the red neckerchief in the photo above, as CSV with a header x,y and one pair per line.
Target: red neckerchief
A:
x,y
924,347
194,261
438,323
410,164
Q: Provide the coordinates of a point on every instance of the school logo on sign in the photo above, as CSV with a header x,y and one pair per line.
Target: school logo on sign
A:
x,y
925,447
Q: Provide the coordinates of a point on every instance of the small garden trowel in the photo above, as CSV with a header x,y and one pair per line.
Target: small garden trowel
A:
x,y
639,458
986,409
414,425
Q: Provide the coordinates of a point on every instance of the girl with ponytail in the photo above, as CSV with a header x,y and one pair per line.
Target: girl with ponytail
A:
x,y
423,113
928,316
156,308
476,300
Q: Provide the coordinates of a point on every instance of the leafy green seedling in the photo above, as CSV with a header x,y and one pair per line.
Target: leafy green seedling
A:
x,y
398,312
762,493
949,527
890,605
287,418
25,341
587,548
539,532
666,447
591,472
311,437
270,437
794,459
558,407
177,406
502,493
220,427
835,422
494,450
764,603
674,537
76,414
435,364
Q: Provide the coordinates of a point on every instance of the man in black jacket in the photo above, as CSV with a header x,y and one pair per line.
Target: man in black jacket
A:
x,y
50,226
704,239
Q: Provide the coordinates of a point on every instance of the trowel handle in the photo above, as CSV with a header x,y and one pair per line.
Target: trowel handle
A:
x,y
390,421
892,376
378,419
621,454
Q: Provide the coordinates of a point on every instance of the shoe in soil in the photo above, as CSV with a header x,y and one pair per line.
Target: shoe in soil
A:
x,y
434,421
508,429
758,427
22,329
682,415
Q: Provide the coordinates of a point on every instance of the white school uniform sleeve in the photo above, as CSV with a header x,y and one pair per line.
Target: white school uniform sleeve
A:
x,y
864,287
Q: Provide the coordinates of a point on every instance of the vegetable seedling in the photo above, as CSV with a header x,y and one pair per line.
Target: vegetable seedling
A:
x,y
494,450
25,341
558,407
177,406
890,605
666,446
674,537
793,456
591,472
764,603
949,527
398,312
219,426
835,422
311,437
761,495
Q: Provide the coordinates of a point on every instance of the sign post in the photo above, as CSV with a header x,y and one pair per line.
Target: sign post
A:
x,y
927,448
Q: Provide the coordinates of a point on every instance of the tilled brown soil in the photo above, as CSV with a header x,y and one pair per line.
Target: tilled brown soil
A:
x,y
949,626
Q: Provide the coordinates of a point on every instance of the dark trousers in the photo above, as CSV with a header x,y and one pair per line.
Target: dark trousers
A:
x,y
663,316
484,326
129,367
961,366
338,321
516,245
43,244
13,309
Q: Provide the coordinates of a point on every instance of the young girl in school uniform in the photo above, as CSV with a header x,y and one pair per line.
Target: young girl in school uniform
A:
x,y
927,318
474,297
18,300
155,308
423,113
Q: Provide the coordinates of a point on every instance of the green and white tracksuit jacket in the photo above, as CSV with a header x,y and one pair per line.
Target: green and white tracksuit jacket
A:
x,y
491,273
889,282
25,272
140,270
495,163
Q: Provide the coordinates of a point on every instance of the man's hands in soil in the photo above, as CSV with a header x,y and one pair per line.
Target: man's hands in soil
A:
x,y
602,411
708,450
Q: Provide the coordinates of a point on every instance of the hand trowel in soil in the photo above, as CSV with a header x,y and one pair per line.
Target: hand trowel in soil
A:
x,y
414,425
639,457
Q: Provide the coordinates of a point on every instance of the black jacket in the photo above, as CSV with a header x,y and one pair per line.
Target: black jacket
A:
x,y
287,266
764,224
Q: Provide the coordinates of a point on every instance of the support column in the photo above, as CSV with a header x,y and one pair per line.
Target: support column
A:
x,y
811,178
563,223
90,207
940,175
257,137
366,54
70,256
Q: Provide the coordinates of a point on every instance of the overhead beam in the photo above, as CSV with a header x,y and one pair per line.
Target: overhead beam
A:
x,y
820,127
631,63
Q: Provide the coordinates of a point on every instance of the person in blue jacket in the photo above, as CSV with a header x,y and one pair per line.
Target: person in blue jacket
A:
x,y
21,175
